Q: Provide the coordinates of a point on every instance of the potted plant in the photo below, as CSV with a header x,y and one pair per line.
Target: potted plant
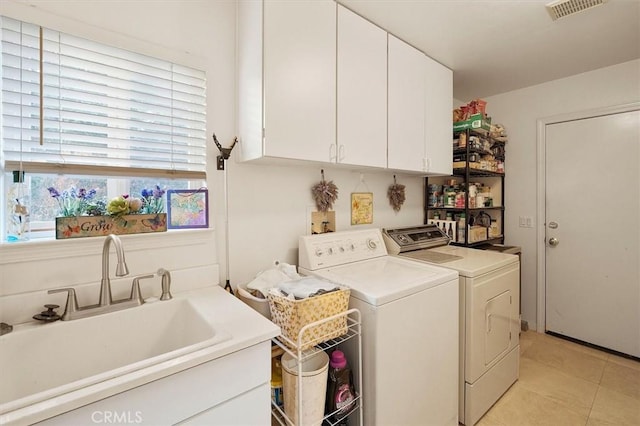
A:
x,y
82,215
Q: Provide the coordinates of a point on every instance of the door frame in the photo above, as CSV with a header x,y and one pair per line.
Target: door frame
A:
x,y
542,190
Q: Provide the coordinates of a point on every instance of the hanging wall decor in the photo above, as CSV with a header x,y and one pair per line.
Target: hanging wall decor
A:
x,y
361,204
324,194
361,208
396,195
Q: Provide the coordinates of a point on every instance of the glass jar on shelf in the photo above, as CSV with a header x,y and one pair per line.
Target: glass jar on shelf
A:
x,y
450,198
462,227
18,204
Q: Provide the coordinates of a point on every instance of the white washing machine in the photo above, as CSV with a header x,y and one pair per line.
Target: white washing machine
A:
x,y
409,326
489,312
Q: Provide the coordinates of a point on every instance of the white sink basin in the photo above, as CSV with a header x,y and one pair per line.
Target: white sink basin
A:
x,y
42,361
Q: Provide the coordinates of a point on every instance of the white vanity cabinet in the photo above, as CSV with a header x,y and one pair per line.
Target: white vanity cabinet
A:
x,y
406,143
287,79
362,91
231,390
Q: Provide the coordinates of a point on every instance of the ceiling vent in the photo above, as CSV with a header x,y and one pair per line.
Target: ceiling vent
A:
x,y
561,8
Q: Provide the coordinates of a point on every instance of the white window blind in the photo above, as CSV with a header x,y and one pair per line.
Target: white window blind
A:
x,y
105,110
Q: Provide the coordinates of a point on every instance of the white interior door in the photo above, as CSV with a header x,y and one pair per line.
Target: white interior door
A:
x,y
592,239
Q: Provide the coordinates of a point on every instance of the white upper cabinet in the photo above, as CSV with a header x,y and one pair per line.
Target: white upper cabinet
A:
x,y
438,122
406,114
287,79
316,82
362,91
420,103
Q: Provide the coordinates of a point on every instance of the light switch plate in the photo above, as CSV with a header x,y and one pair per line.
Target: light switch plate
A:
x,y
525,222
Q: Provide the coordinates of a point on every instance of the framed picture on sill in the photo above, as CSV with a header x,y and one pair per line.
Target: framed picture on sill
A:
x,y
187,208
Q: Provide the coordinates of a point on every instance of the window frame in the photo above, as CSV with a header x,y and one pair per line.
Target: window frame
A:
x,y
112,174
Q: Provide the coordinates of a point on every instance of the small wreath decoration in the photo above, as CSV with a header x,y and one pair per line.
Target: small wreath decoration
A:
x,y
324,194
396,194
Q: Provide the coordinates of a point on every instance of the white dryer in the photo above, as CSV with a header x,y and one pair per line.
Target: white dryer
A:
x,y
489,312
409,314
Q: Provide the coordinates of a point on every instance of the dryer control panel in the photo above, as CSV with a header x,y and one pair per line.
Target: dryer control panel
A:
x,y
339,248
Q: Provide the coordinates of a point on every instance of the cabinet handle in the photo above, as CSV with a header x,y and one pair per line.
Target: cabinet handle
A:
x,y
341,153
332,152
426,164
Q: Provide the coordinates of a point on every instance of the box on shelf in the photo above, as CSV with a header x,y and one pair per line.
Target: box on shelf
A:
x,y
293,315
475,122
477,233
472,157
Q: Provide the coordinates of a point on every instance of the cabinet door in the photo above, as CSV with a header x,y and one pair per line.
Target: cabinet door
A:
x,y
362,91
438,122
300,79
406,107
236,412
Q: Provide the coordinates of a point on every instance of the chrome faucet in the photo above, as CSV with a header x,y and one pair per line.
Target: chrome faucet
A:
x,y
121,268
105,303
166,284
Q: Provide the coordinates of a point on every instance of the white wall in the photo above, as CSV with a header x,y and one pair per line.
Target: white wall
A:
x,y
518,111
269,206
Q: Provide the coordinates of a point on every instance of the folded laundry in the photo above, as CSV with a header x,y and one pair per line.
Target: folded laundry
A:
x,y
306,287
271,278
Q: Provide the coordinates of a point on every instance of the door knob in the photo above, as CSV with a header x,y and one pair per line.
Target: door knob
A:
x,y
553,241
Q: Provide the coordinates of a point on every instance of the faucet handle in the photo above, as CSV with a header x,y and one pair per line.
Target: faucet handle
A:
x,y
136,294
166,284
72,301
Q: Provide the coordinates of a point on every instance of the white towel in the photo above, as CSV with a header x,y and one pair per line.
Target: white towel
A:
x,y
272,277
306,286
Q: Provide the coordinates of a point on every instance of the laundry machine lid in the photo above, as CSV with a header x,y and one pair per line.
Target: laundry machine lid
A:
x,y
385,279
474,262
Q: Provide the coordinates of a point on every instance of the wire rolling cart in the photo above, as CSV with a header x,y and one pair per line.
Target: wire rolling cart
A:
x,y
295,349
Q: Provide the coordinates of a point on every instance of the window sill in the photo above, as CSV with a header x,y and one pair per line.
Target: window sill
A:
x,y
40,249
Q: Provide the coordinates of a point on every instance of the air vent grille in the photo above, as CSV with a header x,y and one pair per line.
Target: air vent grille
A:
x,y
561,8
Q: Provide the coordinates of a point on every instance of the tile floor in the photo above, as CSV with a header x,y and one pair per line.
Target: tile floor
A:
x,y
564,383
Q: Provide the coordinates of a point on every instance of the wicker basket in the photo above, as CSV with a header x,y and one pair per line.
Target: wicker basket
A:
x,y
292,315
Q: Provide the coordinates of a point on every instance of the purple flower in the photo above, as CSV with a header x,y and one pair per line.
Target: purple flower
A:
x,y
72,201
158,193
152,200
53,192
